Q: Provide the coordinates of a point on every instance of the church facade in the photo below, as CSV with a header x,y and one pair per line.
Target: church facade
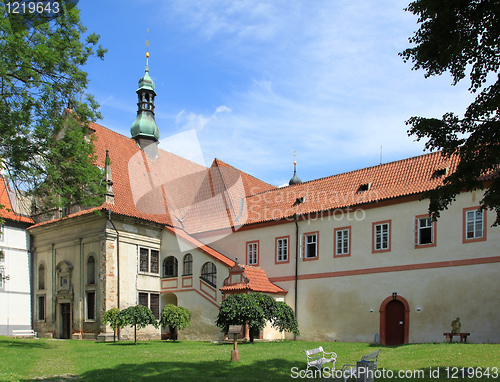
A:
x,y
355,254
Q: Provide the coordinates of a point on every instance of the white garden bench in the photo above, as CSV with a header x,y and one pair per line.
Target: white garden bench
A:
x,y
318,357
351,370
24,333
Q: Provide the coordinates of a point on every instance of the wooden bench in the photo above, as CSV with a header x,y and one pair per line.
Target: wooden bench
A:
x,y
463,337
24,333
351,370
318,357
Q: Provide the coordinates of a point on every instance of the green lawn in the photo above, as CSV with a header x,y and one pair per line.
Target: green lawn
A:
x,y
41,359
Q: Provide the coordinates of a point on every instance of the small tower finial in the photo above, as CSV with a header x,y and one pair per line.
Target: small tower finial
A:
x,y
295,179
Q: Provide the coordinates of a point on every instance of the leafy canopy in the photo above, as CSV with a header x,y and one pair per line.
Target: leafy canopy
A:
x,y
255,310
138,317
45,151
461,37
175,316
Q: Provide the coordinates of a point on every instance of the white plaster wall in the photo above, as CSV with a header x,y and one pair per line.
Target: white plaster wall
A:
x,y
15,302
335,297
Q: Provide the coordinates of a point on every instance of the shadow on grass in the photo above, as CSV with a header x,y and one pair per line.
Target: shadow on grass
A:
x,y
6,342
269,370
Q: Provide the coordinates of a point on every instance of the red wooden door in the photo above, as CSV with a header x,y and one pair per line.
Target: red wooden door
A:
x,y
395,323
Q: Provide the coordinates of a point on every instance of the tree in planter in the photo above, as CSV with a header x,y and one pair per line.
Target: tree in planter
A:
x,y
138,316
254,310
175,317
111,317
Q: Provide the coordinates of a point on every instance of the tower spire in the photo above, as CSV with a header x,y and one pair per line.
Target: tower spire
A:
x,y
295,179
144,129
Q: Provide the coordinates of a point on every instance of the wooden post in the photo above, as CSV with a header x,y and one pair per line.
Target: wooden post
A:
x,y
235,330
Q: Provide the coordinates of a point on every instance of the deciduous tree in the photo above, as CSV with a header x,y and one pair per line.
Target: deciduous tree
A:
x,y
138,316
111,317
462,37
175,317
44,150
255,310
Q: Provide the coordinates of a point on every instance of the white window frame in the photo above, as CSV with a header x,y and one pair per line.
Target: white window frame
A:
x,y
282,249
2,232
474,221
2,280
342,237
307,244
378,237
149,261
430,224
253,253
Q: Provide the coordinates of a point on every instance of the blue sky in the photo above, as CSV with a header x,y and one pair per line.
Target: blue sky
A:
x,y
259,80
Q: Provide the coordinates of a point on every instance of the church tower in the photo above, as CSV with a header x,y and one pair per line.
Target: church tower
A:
x,y
144,129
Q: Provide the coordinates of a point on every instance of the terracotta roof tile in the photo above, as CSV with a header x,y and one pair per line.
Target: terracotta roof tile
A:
x,y
254,279
387,181
202,247
7,212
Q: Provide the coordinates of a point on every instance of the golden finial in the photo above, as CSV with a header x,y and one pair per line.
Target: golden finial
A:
x,y
147,44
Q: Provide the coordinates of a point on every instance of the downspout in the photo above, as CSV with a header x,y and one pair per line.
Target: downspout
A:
x,y
296,267
117,265
83,282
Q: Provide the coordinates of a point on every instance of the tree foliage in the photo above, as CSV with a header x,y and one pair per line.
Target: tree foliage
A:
x,y
111,317
255,310
44,150
462,38
175,317
138,316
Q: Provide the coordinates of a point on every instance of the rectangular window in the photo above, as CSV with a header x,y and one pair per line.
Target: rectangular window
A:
x,y
282,249
154,304
425,235
342,241
143,299
425,231
41,308
155,261
381,241
2,227
2,278
144,260
310,248
90,302
152,301
474,225
149,260
253,253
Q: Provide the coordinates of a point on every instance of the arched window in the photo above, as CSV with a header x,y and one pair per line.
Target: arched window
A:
x,y
41,276
209,273
170,267
188,265
91,270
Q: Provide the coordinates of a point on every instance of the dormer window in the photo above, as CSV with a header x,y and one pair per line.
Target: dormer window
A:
x,y
364,187
440,172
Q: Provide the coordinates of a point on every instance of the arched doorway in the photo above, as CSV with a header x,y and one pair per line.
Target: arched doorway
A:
x,y
167,332
394,321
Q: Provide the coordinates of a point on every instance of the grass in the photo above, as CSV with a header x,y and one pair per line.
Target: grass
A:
x,y
54,360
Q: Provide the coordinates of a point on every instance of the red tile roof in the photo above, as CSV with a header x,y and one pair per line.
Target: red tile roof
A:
x,y
202,247
165,189
7,211
253,279
387,181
